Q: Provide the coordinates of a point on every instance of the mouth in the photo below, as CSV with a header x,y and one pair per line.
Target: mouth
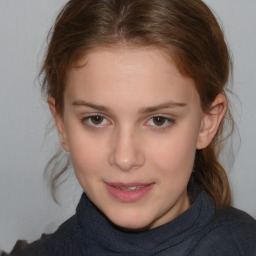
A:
x,y
130,192
132,188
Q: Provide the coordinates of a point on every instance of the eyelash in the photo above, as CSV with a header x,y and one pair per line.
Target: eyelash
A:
x,y
86,119
169,121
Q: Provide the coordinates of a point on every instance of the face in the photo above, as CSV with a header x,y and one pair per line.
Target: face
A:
x,y
131,123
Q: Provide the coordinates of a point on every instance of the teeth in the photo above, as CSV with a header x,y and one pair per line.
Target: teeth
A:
x,y
131,188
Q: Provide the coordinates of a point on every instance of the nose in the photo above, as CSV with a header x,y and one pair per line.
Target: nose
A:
x,y
126,151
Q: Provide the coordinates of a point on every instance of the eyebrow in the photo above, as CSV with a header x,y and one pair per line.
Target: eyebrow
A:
x,y
90,105
171,104
143,110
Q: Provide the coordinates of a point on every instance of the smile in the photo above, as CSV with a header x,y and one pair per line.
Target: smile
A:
x,y
130,188
128,193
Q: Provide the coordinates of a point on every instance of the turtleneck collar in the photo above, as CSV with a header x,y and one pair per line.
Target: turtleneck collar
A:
x,y
103,233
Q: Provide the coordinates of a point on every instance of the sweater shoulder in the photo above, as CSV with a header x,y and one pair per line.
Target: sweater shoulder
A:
x,y
51,244
235,215
237,222
231,232
35,248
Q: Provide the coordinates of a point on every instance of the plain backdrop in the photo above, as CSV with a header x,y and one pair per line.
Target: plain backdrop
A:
x,y
26,207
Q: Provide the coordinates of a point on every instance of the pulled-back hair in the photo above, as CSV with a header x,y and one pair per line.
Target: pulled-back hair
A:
x,y
186,30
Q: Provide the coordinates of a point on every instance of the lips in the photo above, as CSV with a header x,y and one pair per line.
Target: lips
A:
x,y
129,192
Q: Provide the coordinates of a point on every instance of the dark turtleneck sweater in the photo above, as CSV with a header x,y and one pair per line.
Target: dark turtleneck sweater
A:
x,y
200,231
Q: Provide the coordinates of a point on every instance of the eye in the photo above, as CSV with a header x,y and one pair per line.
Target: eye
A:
x,y
160,121
95,120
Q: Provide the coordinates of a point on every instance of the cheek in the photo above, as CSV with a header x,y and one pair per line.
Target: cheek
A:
x,y
175,155
87,154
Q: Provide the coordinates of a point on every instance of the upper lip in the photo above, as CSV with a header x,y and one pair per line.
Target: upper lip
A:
x,y
127,185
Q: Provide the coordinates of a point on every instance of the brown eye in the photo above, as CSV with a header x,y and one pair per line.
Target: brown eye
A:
x,y
96,119
159,120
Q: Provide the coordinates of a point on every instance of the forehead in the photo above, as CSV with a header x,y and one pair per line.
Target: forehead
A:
x,y
138,73
122,58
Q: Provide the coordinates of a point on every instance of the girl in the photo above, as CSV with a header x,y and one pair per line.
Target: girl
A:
x,y
137,91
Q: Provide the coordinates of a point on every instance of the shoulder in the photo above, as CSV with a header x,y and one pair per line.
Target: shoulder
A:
x,y
238,223
22,246
59,243
230,232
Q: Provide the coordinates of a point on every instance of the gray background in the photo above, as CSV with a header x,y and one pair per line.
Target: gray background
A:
x,y
26,207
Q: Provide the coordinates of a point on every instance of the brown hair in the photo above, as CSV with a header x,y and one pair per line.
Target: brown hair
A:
x,y
185,29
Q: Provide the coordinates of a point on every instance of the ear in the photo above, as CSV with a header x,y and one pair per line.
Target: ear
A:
x,y
211,121
59,123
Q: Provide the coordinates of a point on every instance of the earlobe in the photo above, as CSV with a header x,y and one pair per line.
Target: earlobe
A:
x,y
211,121
58,123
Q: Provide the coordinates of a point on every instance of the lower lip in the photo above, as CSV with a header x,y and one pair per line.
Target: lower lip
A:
x,y
129,196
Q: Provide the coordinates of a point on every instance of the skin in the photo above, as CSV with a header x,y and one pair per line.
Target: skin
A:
x,y
126,142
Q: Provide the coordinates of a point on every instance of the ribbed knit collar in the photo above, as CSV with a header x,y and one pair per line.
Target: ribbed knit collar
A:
x,y
95,227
